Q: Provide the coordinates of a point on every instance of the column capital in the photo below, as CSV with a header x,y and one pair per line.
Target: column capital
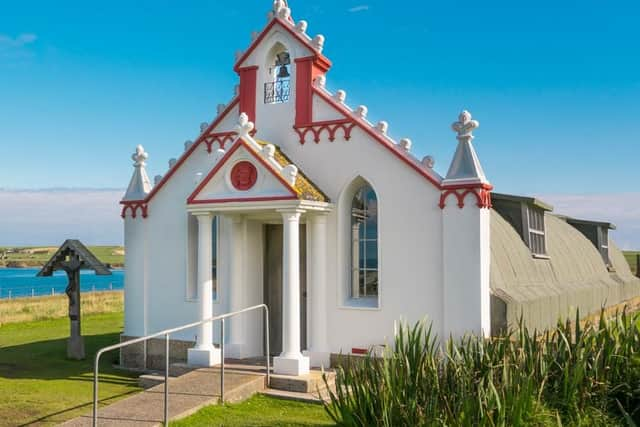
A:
x,y
292,214
203,215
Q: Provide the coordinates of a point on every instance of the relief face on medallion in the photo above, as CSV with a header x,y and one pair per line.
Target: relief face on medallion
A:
x,y
244,175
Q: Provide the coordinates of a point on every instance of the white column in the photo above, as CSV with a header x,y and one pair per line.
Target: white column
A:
x,y
291,361
318,352
204,354
236,337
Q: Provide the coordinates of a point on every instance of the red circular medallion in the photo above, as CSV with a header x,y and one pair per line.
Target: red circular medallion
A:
x,y
243,175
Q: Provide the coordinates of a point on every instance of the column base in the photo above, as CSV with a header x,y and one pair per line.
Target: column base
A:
x,y
318,359
287,365
204,357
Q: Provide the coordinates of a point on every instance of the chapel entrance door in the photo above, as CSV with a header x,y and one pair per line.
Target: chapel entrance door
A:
x,y
273,285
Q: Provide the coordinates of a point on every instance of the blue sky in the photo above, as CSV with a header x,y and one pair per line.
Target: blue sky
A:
x,y
554,84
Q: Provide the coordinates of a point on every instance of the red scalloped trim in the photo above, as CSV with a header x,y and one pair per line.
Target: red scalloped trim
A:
x,y
133,208
219,137
482,192
331,126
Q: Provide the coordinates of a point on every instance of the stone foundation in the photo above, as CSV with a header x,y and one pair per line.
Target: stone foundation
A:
x,y
150,355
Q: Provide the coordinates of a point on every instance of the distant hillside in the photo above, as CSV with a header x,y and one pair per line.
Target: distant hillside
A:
x,y
631,259
35,256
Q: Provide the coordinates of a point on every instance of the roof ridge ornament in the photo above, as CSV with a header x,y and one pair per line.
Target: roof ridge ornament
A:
x,y
464,126
140,184
244,126
465,167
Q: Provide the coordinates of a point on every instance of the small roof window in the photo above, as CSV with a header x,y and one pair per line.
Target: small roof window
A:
x,y
527,216
598,233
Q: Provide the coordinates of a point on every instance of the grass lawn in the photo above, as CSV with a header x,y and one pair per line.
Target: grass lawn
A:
x,y
260,410
38,385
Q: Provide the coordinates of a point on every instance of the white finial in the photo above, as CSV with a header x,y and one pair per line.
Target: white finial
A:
x,y
198,178
464,126
239,54
290,173
429,162
187,144
278,4
139,157
362,111
254,35
172,163
382,127
244,125
203,126
220,108
318,43
140,184
270,16
405,144
285,14
340,96
236,90
301,26
268,151
321,81
157,179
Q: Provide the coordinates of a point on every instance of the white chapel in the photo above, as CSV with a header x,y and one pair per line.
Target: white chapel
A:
x,y
293,198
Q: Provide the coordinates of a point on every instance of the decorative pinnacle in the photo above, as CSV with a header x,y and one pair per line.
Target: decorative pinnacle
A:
x,y
465,126
244,125
139,157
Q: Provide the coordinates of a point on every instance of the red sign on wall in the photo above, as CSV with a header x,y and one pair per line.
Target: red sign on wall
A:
x,y
244,175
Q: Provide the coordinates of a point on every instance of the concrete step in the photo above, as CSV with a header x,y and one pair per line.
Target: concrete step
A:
x,y
310,383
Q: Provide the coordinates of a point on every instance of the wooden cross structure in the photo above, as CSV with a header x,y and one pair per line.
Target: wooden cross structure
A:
x,y
72,257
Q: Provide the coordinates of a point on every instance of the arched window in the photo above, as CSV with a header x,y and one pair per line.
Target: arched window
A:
x,y
277,88
364,244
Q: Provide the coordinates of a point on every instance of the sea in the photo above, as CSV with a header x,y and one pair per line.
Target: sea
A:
x,y
22,282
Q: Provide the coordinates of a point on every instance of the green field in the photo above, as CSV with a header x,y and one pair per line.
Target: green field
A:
x,y
36,256
631,259
39,385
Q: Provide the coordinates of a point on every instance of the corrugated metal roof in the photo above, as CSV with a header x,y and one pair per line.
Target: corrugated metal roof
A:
x,y
545,290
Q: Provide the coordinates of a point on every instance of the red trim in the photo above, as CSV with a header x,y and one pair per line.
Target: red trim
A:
x,y
248,90
307,70
375,135
133,206
481,191
187,153
290,30
244,175
359,351
221,138
331,126
241,142
246,199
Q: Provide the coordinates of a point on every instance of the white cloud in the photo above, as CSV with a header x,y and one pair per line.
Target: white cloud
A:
x,y
48,217
361,8
622,209
20,41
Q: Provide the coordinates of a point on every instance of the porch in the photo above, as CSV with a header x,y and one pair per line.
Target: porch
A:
x,y
291,265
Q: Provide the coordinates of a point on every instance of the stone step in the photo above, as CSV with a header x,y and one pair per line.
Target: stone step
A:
x,y
310,383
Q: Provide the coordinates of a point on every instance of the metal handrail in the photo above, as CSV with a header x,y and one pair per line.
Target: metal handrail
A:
x,y
166,334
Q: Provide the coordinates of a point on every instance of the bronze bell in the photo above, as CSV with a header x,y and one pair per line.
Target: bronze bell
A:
x,y
283,73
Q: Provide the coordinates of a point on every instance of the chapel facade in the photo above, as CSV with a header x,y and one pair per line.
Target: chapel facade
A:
x,y
292,198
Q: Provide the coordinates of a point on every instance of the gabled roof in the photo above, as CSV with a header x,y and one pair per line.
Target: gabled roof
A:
x,y
288,27
74,247
302,189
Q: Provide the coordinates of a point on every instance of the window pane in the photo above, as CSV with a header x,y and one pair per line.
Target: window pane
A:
x,y
364,245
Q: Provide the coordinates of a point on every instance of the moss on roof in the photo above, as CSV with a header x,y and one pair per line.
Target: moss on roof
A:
x,y
304,187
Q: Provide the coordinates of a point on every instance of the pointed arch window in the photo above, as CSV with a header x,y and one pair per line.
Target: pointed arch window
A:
x,y
364,245
277,89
